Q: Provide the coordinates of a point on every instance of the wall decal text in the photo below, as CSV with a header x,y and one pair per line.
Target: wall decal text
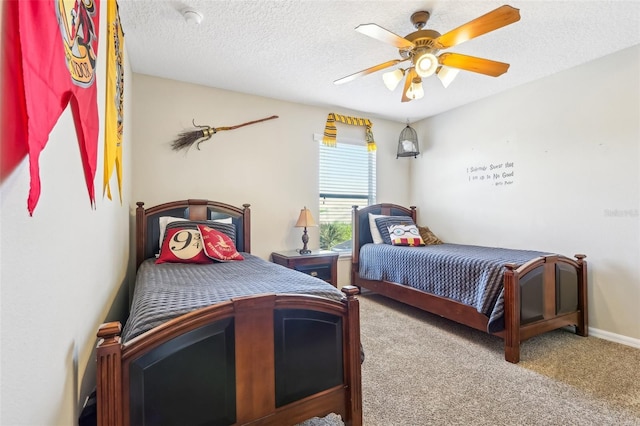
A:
x,y
494,174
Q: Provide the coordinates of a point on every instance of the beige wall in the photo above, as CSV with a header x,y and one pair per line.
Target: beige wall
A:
x,y
344,270
62,273
272,165
573,139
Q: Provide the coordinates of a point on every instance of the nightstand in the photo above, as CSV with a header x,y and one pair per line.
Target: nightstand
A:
x,y
319,263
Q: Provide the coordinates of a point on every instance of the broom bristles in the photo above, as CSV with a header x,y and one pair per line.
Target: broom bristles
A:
x,y
186,139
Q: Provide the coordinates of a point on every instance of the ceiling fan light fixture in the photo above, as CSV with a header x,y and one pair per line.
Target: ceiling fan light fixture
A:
x,y
392,78
446,75
426,64
415,91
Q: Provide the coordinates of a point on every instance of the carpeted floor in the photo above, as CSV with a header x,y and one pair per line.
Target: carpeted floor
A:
x,y
330,420
421,369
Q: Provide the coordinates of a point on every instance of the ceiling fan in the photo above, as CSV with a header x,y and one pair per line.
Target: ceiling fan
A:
x,y
421,47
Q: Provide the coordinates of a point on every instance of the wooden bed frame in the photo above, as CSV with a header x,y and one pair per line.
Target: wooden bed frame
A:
x,y
270,359
544,294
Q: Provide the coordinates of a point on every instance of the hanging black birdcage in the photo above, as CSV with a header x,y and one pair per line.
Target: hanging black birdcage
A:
x,y
408,143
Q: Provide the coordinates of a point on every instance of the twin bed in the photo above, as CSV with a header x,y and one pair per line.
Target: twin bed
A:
x,y
227,343
515,294
252,342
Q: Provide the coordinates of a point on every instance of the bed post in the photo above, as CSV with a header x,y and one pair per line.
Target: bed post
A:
x,y
109,375
141,233
582,328
354,404
511,314
414,215
355,243
246,227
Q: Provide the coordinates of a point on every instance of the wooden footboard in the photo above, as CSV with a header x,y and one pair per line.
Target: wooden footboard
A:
x,y
545,294
268,360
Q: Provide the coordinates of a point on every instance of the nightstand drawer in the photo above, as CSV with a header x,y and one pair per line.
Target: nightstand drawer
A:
x,y
318,271
321,264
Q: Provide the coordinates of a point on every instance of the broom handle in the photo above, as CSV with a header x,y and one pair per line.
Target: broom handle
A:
x,y
246,124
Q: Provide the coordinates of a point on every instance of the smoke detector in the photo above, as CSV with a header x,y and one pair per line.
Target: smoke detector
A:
x,y
193,17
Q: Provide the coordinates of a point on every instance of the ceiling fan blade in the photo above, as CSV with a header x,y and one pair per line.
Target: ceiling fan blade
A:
x,y
379,33
368,71
498,18
471,63
407,83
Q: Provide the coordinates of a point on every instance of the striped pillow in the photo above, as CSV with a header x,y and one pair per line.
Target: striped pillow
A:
x,y
383,224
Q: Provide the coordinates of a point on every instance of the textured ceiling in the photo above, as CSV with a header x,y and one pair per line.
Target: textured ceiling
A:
x,y
294,50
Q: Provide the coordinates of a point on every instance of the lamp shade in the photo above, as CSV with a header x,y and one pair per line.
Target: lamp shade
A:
x,y
408,143
446,75
415,90
305,219
392,78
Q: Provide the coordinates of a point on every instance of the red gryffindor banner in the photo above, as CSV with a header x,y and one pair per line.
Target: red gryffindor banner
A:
x,y
57,44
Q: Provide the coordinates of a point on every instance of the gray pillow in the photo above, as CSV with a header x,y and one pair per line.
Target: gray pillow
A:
x,y
228,229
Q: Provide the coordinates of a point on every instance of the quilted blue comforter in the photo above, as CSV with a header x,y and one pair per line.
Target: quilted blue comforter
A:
x,y
168,290
472,275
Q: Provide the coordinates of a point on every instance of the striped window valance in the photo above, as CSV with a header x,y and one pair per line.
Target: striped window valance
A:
x,y
330,131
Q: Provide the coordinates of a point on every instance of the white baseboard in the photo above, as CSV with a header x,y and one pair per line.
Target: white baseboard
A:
x,y
613,337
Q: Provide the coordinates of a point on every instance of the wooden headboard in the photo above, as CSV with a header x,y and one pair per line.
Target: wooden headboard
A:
x,y
361,230
148,228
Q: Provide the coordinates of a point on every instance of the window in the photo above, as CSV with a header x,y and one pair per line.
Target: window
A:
x,y
347,177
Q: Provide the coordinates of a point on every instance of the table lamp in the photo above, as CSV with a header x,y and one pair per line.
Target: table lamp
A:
x,y
305,220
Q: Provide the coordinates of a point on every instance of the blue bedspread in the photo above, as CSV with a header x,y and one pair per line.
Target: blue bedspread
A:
x,y
472,275
168,290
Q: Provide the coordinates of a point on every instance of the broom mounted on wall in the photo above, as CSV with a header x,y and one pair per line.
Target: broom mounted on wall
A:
x,y
203,133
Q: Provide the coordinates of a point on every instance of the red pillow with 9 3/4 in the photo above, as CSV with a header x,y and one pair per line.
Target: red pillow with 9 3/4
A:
x,y
182,245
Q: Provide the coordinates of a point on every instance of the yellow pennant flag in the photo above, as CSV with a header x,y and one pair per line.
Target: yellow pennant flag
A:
x,y
114,113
